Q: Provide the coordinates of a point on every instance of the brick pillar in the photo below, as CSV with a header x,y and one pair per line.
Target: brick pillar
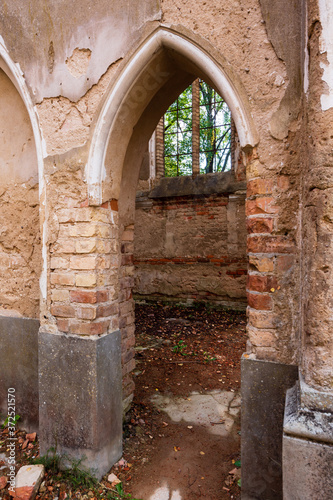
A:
x,y
267,367
160,149
270,256
126,310
195,128
84,267
80,382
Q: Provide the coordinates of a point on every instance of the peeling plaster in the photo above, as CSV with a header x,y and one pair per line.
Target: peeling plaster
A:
x,y
326,46
65,124
43,36
78,62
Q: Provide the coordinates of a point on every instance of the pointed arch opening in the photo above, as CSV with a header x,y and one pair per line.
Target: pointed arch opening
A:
x,y
151,79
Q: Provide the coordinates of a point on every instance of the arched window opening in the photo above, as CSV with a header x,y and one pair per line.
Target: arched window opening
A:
x,y
197,133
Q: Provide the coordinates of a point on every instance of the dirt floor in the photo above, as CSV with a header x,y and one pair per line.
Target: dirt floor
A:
x,y
182,434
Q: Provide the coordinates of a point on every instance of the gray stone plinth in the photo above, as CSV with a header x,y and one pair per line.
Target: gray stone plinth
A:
x,y
307,451
19,368
264,386
80,398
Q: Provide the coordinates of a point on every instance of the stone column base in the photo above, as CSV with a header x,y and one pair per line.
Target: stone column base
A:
x,y
307,451
264,385
19,368
80,412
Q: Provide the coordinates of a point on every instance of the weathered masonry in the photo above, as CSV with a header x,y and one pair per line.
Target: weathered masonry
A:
x,y
80,99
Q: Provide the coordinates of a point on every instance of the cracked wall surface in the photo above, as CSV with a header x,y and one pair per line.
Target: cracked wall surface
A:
x,y
20,248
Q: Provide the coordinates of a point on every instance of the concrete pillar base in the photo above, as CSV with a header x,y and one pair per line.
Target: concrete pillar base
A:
x,y
19,368
307,451
80,412
264,386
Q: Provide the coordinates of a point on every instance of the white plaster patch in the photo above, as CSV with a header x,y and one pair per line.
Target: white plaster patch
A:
x,y
326,46
164,494
215,410
77,64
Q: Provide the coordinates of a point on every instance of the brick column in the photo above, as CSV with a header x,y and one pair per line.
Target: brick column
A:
x,y
80,380
268,366
84,271
270,256
195,127
160,149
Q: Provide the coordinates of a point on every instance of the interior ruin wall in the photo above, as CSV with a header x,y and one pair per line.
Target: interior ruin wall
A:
x,y
191,249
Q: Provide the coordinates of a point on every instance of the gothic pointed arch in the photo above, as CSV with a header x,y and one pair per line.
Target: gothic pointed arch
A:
x,y
149,80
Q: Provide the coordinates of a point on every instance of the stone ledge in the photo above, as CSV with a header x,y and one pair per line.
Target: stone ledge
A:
x,y
304,423
219,183
312,399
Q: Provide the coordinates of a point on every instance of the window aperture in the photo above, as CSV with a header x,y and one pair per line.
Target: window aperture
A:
x,y
214,132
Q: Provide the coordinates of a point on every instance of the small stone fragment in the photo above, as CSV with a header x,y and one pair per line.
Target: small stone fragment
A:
x,y
3,482
25,444
112,478
28,480
31,437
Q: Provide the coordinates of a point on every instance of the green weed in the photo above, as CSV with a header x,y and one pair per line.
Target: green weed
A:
x,y
179,348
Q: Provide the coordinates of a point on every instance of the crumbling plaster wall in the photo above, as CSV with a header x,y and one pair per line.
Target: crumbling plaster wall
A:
x,y
20,248
191,249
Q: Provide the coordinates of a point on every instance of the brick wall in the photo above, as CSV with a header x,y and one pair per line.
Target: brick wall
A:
x,y
191,248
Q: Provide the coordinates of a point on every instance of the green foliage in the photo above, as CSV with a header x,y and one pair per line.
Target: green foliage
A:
x,y
178,136
119,494
179,348
77,476
6,422
208,357
51,461
215,133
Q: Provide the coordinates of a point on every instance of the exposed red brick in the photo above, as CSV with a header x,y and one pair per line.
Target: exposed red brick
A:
x,y
128,388
127,356
261,283
63,311
260,225
63,325
83,296
259,186
264,205
97,328
107,310
114,205
260,301
270,244
102,296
